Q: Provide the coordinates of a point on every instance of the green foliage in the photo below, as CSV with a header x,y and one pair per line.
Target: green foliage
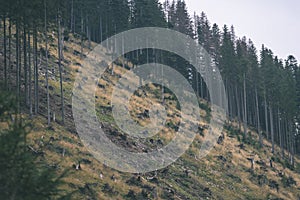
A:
x,y
297,167
284,162
21,177
134,181
273,184
233,131
109,190
171,125
250,140
288,181
7,104
205,106
259,179
147,14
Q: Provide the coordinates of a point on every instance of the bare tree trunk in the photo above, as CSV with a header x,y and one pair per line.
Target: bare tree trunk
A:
x,y
287,137
238,106
280,133
114,48
72,16
258,119
291,144
197,84
101,30
36,73
245,107
88,32
60,68
123,51
81,37
47,74
25,65
272,127
162,87
18,65
284,136
266,115
9,55
106,34
4,52
231,101
74,26
29,73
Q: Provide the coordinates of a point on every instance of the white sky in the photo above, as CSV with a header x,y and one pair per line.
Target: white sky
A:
x,y
275,23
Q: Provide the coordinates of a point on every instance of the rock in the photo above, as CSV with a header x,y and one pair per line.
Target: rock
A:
x,y
274,185
241,146
86,161
101,86
208,191
222,158
113,178
221,139
76,53
77,64
77,166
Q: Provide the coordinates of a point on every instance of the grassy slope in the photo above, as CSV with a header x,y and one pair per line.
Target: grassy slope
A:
x,y
224,174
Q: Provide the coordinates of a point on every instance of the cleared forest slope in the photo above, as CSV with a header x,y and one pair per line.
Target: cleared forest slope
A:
x,y
226,173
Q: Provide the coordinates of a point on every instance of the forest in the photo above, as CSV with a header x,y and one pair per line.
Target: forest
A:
x,y
263,90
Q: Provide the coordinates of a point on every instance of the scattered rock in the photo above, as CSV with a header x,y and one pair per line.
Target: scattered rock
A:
x,y
208,191
241,146
222,158
77,166
221,139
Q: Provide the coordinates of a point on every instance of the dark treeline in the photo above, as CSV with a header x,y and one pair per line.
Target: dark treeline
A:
x,y
263,90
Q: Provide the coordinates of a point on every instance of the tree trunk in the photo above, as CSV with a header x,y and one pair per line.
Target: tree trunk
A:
x,y
29,74
197,84
272,127
25,66
291,144
238,106
18,66
47,74
4,52
201,88
81,37
162,87
101,30
266,116
72,16
60,69
288,142
36,72
245,107
9,54
258,119
123,51
284,136
88,32
280,133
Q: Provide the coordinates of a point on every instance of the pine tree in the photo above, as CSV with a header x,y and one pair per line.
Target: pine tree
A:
x,y
147,14
183,22
205,33
227,68
21,177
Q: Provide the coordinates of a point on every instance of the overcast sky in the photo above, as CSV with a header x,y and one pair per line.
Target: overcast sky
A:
x,y
275,23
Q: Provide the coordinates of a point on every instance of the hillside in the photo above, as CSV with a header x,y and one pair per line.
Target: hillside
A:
x,y
224,174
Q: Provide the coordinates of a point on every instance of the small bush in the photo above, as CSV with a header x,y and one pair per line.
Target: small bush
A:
x,y
288,181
